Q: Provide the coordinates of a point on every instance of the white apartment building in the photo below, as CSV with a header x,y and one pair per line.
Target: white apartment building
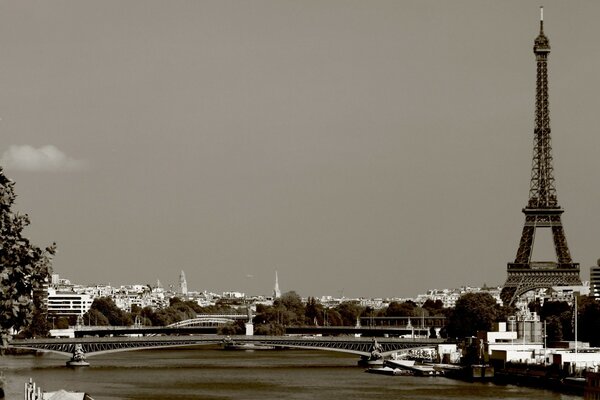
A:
x,y
68,303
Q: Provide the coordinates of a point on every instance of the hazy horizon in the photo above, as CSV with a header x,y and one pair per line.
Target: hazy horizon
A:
x,y
373,149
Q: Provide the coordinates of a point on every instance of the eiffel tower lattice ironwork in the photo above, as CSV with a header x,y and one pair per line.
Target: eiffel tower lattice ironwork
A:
x,y
542,210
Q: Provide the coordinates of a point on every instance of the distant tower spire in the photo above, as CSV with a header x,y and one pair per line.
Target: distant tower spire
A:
x,y
183,284
276,291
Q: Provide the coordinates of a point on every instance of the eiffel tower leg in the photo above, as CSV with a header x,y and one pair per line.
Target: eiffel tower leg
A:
x,y
526,243
560,244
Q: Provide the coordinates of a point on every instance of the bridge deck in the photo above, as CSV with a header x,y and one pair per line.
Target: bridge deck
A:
x,y
98,345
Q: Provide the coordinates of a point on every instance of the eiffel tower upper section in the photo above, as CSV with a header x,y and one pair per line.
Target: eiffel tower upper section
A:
x,y
542,210
542,193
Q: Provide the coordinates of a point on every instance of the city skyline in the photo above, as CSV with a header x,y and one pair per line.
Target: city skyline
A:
x,y
369,149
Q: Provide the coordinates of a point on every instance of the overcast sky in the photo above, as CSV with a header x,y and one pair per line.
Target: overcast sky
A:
x,y
363,148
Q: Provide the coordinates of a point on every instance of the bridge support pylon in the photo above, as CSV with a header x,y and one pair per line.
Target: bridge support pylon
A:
x,y
374,358
78,358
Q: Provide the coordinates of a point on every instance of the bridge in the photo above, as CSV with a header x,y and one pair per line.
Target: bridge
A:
x,y
190,328
208,324
90,346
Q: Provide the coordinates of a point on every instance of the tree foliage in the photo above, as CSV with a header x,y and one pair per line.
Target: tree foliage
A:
x,y
554,331
23,266
105,306
397,309
348,311
588,323
473,312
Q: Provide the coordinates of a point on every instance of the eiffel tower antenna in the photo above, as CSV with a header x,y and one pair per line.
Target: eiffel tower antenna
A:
x,y
542,210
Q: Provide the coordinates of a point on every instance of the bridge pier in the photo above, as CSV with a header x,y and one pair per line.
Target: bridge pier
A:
x,y
78,358
375,357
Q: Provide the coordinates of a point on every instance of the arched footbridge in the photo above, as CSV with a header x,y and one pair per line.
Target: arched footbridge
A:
x,y
90,346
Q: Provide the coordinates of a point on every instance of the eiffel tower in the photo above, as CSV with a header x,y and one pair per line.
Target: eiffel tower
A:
x,y
542,210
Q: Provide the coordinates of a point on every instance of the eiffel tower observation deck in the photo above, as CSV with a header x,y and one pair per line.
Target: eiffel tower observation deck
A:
x,y
542,210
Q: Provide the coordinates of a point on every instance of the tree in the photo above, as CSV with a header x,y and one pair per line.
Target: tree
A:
x,y
24,267
473,312
348,312
313,312
588,324
95,318
554,331
396,309
433,307
291,308
107,307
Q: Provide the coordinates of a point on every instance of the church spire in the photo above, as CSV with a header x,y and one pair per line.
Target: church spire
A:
x,y
276,291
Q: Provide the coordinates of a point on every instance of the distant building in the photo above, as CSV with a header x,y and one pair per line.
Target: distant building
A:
x,y
183,284
66,304
234,295
595,280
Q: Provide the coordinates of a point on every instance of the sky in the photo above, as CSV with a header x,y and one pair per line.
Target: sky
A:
x,y
358,148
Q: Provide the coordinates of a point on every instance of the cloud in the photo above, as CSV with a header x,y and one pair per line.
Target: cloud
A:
x,y
46,158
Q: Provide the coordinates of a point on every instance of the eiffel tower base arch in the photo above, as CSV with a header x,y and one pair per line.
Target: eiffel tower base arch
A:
x,y
522,281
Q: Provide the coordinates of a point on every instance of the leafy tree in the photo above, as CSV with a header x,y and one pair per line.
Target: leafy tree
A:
x,y
313,312
348,312
334,318
233,328
396,309
270,329
553,308
107,307
163,317
434,307
554,331
23,266
566,320
291,308
62,323
286,310
588,324
473,312
39,326
95,317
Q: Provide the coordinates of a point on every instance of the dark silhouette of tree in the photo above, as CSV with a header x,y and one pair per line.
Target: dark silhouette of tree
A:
x,y
588,324
473,312
61,323
107,307
554,331
397,309
291,308
348,312
23,266
233,328
553,308
434,307
313,312
95,318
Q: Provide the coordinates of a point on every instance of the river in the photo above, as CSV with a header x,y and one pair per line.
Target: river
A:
x,y
220,375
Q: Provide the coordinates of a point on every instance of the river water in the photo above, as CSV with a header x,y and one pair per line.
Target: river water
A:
x,y
219,375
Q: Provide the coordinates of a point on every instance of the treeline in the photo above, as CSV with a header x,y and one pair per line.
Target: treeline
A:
x,y
473,312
